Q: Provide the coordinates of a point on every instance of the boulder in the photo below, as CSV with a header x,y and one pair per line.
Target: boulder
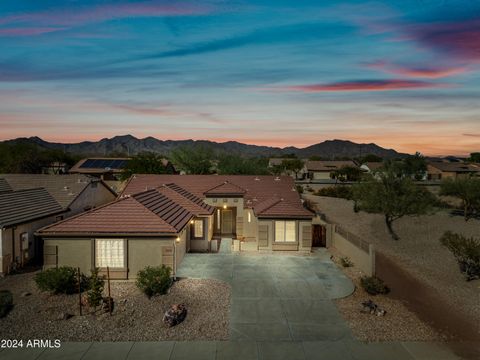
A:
x,y
64,316
175,315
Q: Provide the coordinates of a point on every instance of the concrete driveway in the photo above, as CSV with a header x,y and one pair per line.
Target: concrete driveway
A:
x,y
278,297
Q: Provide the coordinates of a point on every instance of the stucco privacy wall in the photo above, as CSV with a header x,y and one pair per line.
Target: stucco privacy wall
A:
x,y
201,244
141,252
266,236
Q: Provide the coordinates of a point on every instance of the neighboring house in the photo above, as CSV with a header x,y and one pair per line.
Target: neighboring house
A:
x,y
322,170
158,218
31,201
371,167
274,162
55,168
451,170
22,212
108,169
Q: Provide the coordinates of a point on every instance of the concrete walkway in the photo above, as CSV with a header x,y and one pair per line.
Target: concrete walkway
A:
x,y
241,350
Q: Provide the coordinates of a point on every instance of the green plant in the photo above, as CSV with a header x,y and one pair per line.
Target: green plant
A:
x,y
341,191
154,280
466,251
62,280
373,285
94,294
300,189
346,262
6,302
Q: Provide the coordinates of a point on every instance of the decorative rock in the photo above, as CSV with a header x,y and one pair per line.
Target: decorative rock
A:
x,y
64,316
370,307
105,303
175,315
25,294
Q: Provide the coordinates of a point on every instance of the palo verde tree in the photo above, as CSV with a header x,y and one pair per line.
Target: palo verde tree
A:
x,y
466,189
347,173
393,197
145,163
293,165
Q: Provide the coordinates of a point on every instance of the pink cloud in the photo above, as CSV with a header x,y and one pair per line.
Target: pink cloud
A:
x,y
364,85
431,72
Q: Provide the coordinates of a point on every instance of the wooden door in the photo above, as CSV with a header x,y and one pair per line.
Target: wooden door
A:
x,y
319,236
227,221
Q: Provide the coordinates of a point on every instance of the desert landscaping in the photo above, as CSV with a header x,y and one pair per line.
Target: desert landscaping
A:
x,y
135,317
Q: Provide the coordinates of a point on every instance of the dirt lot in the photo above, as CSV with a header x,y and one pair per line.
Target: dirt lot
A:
x,y
399,323
135,317
418,251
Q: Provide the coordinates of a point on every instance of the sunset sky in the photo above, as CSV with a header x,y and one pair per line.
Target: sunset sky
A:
x,y
403,74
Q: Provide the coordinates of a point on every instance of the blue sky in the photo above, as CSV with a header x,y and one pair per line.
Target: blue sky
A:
x,y
402,74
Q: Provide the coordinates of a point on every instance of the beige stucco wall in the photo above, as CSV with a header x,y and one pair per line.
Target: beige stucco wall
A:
x,y
363,260
250,229
202,244
6,253
236,203
92,196
321,175
141,252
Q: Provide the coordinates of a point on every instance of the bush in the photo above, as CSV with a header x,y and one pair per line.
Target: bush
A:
x,y
346,262
6,302
94,295
154,280
374,285
466,251
341,191
300,189
62,280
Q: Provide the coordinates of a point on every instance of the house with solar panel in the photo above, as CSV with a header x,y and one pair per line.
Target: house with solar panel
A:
x,y
31,201
159,218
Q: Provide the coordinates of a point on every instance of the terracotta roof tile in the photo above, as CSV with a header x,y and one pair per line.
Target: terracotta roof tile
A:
x,y
224,189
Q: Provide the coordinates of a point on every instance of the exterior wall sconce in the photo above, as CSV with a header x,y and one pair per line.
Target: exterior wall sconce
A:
x,y
225,206
177,239
191,221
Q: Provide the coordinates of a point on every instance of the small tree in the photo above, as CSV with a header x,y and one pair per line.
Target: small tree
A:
x,y
466,251
95,293
468,190
393,197
145,163
474,157
347,173
293,165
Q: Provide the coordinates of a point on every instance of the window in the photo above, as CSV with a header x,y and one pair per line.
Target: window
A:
x,y
24,240
109,252
285,231
198,229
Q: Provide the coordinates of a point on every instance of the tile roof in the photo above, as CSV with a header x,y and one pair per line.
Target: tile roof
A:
x,y
257,188
141,214
373,165
225,188
4,186
63,188
21,206
455,166
187,200
328,165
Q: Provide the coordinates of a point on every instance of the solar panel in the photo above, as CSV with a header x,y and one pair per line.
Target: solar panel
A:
x,y
87,164
104,163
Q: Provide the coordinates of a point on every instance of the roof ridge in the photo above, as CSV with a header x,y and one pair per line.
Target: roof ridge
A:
x,y
276,201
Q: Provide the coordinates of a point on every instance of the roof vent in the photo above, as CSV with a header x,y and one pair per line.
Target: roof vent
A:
x,y
276,178
65,188
257,178
71,193
255,199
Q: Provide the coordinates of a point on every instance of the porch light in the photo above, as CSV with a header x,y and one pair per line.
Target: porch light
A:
x,y
191,221
177,239
225,206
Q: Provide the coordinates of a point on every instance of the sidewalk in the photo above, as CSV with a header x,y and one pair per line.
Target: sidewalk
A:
x,y
244,350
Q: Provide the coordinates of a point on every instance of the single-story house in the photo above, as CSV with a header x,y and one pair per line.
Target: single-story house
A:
x,y
31,201
371,167
438,170
322,170
276,162
158,218
22,212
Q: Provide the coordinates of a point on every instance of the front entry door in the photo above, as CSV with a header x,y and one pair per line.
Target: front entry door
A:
x,y
227,221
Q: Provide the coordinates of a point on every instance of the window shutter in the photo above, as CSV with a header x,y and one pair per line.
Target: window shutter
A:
x,y
262,235
307,236
50,256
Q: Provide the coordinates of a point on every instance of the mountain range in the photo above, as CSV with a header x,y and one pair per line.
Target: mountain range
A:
x,y
131,145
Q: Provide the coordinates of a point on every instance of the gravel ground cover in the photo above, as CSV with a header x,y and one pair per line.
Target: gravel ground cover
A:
x,y
135,317
418,251
399,323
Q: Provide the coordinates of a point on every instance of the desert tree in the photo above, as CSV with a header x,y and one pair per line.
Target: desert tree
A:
x,y
293,165
145,163
392,196
195,159
467,190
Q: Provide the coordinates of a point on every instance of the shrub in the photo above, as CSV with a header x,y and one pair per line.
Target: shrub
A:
x,y
94,295
6,302
300,189
154,280
373,285
466,251
62,280
342,191
346,262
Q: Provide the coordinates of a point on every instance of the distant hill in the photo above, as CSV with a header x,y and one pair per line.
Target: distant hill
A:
x,y
131,145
